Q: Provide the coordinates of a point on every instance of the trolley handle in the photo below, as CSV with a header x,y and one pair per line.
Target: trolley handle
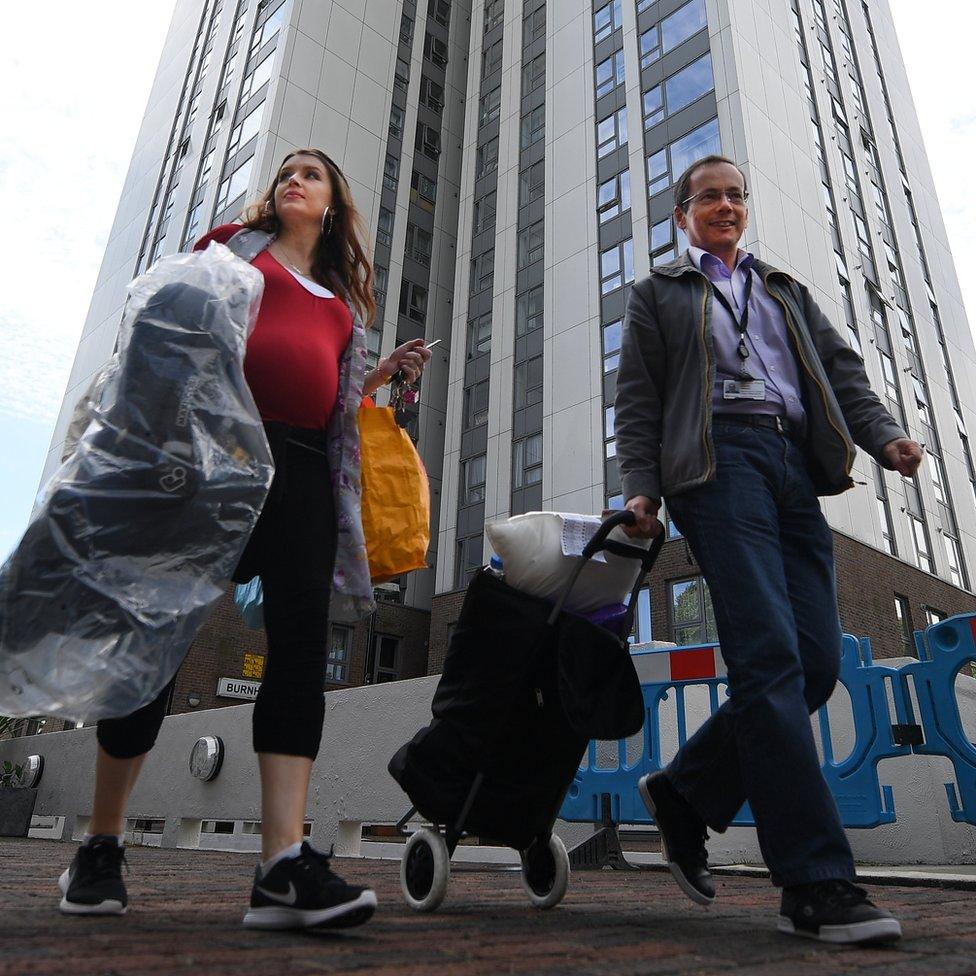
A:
x,y
600,543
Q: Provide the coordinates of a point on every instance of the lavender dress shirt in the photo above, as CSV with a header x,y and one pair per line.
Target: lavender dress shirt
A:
x,y
771,355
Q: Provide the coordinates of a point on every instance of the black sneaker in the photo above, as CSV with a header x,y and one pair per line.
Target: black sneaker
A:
x,y
303,892
92,885
683,836
835,911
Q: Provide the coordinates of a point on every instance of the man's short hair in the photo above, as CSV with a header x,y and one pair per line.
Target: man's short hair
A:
x,y
683,188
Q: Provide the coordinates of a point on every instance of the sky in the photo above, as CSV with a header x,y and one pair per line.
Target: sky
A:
x,y
72,96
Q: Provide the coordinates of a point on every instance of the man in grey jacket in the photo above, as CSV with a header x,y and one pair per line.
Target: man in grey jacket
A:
x,y
739,404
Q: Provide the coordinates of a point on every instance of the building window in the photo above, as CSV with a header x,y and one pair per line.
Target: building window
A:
x,y
533,26
440,10
380,280
689,84
658,179
616,266
256,78
490,106
610,444
246,129
383,660
531,244
428,140
406,29
661,235
391,172
413,301
653,103
419,244
533,74
396,122
529,311
474,479
483,271
528,383
401,74
903,614
533,127
610,74
234,186
486,160
611,133
606,20
703,141
340,647
933,616
384,227
374,339
476,405
468,560
613,196
527,465
692,616
491,59
484,212
435,51
884,511
431,94
532,183
479,335
494,13
423,191
612,333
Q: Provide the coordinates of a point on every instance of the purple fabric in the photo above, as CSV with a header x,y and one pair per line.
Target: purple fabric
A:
x,y
771,354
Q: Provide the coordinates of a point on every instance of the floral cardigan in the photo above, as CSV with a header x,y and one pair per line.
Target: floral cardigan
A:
x,y
352,591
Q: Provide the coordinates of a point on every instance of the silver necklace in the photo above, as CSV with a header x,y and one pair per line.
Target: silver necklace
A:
x,y
291,264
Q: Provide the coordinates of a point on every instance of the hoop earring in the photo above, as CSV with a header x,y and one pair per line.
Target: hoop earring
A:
x,y
268,208
328,213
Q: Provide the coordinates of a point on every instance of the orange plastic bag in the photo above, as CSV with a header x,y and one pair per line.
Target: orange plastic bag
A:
x,y
396,496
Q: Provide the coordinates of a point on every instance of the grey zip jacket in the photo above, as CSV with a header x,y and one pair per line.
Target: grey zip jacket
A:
x,y
667,372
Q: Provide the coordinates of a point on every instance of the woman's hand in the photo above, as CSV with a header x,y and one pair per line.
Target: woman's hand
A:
x,y
410,359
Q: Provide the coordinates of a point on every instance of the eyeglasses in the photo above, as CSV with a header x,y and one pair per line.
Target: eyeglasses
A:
x,y
708,197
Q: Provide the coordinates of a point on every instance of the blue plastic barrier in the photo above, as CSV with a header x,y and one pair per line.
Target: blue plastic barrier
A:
x,y
853,781
943,649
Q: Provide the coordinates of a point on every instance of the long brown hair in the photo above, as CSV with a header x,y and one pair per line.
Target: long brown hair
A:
x,y
340,256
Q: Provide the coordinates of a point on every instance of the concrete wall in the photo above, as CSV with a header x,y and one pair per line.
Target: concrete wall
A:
x,y
351,788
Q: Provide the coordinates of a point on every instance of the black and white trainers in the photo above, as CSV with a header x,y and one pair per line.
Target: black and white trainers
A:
x,y
683,836
304,892
92,885
835,911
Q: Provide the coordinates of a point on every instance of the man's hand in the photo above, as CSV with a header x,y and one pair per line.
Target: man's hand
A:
x,y
646,511
903,455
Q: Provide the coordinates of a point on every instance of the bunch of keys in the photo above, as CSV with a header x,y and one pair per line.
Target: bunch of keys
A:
x,y
403,393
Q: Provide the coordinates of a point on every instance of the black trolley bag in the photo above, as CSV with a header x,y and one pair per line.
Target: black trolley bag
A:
x,y
525,687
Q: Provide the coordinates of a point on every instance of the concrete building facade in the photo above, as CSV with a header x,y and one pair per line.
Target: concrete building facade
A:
x,y
514,160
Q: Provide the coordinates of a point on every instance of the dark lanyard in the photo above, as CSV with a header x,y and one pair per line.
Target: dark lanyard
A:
x,y
741,324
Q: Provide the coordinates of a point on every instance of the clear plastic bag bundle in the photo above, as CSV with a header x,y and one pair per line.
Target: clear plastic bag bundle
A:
x,y
136,533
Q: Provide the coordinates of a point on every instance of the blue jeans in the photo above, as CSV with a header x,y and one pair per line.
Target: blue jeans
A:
x,y
767,555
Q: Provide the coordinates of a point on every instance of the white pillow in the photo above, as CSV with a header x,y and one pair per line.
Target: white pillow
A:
x,y
539,551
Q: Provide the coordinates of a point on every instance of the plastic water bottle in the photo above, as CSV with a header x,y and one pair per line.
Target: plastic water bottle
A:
x,y
495,567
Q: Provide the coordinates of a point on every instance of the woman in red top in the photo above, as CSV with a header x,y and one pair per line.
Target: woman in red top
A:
x,y
316,274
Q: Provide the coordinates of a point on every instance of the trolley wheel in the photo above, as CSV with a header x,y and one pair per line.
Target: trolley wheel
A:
x,y
545,871
425,870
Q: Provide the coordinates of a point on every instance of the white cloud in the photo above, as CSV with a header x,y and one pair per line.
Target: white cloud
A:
x,y
936,42
72,97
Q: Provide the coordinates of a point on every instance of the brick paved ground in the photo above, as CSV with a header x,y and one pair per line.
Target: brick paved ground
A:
x,y
186,911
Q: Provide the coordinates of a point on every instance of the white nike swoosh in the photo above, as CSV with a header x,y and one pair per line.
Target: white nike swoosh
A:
x,y
285,898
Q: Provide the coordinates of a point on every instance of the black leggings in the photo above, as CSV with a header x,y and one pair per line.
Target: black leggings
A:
x,y
293,549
